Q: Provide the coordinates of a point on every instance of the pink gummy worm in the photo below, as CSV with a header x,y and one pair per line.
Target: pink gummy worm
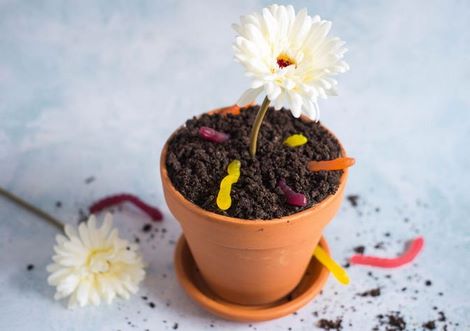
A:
x,y
293,198
113,200
408,256
212,135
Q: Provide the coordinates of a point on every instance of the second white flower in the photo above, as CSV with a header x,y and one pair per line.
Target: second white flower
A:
x,y
93,264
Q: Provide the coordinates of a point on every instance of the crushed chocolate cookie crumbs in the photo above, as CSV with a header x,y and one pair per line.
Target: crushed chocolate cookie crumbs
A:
x,y
353,199
330,324
147,227
370,293
196,166
359,249
431,325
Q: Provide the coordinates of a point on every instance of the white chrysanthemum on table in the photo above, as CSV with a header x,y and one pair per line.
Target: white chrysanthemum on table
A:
x,y
93,264
290,58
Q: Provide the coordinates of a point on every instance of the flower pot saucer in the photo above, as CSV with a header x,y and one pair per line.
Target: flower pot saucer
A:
x,y
192,282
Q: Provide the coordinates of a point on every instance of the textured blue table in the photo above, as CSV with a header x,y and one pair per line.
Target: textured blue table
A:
x,y
94,88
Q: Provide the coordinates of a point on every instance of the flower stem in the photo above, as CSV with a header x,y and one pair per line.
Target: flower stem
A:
x,y
35,210
257,125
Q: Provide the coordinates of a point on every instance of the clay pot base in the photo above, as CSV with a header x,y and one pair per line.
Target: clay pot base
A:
x,y
191,280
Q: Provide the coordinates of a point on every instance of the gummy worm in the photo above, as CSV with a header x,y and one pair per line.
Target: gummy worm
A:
x,y
338,272
234,110
295,140
99,205
336,164
293,198
409,255
210,134
224,201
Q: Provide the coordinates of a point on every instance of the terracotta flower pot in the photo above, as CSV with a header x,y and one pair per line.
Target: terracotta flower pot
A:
x,y
250,262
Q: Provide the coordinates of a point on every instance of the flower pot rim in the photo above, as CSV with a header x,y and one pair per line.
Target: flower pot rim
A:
x,y
241,221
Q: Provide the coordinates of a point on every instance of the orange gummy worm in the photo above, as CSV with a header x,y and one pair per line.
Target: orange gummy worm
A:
x,y
336,164
235,110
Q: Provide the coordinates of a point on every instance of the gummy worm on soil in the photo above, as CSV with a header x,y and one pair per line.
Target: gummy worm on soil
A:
x,y
110,201
296,140
234,110
336,164
409,255
212,135
224,201
293,198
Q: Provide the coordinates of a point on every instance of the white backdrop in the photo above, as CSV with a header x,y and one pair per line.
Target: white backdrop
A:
x,y
95,88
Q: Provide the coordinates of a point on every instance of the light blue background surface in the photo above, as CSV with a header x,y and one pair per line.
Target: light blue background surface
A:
x,y
95,88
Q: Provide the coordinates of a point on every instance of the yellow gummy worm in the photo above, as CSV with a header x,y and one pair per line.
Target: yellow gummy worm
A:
x,y
340,274
233,169
295,140
224,201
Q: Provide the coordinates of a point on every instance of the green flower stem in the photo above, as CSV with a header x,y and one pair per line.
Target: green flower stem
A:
x,y
257,125
33,209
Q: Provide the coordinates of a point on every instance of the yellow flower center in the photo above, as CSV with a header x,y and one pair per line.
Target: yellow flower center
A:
x,y
97,261
283,60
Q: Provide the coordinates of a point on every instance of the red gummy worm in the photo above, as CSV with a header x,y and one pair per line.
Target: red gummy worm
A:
x,y
113,200
408,256
212,135
293,198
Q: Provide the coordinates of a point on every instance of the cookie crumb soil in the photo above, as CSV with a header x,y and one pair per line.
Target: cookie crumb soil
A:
x,y
431,325
330,324
371,293
353,199
393,321
147,227
196,166
359,249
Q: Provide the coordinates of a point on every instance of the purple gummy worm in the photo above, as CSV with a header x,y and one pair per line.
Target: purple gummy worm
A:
x,y
293,198
213,135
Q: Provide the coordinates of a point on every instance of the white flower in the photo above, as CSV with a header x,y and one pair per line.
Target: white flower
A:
x,y
94,264
290,57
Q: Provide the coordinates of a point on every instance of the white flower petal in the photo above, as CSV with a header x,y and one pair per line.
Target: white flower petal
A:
x,y
95,298
53,267
57,275
107,224
296,105
73,303
83,292
84,235
272,90
309,109
316,111
249,96
68,285
60,239
257,83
